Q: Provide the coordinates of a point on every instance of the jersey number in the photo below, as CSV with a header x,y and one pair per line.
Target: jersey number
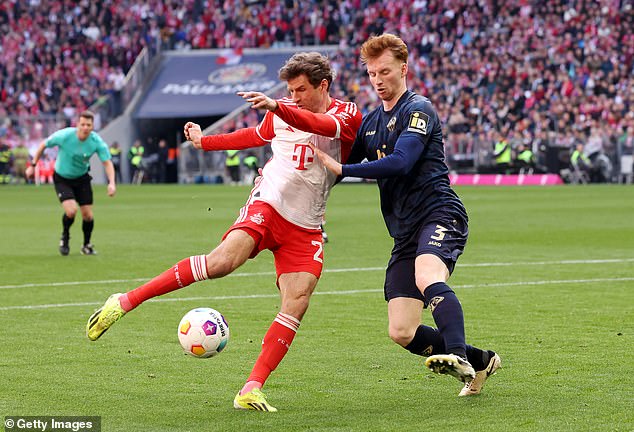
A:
x,y
440,233
320,248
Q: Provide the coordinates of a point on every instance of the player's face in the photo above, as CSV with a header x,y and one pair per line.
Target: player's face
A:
x,y
84,127
387,75
314,99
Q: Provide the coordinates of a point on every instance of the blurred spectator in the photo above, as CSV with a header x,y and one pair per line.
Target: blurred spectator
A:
x,y
516,66
162,161
580,164
252,165
21,158
135,156
115,157
5,163
232,163
524,160
44,170
502,155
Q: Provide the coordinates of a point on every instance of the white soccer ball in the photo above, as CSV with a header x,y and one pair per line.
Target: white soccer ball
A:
x,y
203,332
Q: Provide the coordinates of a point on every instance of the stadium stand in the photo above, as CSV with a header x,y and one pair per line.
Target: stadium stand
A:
x,y
545,74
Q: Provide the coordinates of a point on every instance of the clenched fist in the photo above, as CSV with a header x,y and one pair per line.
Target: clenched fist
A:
x,y
193,133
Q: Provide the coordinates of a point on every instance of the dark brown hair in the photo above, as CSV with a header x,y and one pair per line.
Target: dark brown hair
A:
x,y
315,66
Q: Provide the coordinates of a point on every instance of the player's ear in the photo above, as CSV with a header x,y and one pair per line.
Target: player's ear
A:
x,y
403,70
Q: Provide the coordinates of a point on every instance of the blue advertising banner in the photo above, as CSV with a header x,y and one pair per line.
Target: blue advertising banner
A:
x,y
204,83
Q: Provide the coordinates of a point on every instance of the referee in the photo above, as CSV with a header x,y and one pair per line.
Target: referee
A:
x,y
72,182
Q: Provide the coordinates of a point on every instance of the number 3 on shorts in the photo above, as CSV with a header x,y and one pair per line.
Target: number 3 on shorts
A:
x,y
320,248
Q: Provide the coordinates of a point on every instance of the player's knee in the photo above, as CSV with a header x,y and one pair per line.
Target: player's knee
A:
x,y
423,281
70,213
401,335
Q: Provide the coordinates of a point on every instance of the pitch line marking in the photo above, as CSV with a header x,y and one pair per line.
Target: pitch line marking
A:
x,y
354,269
342,292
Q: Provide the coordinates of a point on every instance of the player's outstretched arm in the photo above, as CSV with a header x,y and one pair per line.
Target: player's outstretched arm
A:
x,y
237,140
259,100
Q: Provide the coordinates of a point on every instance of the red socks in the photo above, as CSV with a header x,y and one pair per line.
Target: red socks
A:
x,y
185,272
275,345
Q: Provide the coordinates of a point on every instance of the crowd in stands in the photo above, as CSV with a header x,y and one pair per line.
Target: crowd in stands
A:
x,y
542,74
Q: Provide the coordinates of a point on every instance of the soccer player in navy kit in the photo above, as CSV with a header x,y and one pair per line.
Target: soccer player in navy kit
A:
x,y
402,141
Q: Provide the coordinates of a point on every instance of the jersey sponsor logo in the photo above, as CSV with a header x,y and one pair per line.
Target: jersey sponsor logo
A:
x,y
433,303
391,124
370,133
418,122
257,218
302,154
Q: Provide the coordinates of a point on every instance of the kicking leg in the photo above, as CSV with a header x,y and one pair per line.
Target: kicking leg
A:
x,y
224,259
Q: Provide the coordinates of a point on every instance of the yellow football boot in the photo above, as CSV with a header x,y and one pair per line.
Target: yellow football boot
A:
x,y
253,400
104,317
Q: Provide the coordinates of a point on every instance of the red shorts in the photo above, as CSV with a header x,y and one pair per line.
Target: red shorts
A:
x,y
295,249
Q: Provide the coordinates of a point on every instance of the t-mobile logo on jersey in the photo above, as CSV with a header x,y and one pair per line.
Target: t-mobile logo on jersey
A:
x,y
302,154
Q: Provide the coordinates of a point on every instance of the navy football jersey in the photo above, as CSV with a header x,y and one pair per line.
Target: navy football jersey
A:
x,y
407,200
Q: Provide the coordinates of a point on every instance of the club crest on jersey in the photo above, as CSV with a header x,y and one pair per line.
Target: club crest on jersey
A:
x,y
257,218
418,122
391,124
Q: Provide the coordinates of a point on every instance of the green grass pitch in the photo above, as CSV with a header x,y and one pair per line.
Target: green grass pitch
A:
x,y
547,281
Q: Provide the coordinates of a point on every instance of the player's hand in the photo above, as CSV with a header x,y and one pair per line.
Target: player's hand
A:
x,y
30,171
194,133
112,189
258,179
259,100
331,164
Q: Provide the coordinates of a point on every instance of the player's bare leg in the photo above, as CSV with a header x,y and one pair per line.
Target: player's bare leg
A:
x,y
224,259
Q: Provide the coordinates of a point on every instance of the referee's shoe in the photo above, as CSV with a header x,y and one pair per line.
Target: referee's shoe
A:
x,y
88,249
64,249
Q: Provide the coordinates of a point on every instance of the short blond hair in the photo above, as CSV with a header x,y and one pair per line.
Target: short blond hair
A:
x,y
376,45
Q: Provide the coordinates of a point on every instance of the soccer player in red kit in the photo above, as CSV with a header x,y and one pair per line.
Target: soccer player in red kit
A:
x,y
283,212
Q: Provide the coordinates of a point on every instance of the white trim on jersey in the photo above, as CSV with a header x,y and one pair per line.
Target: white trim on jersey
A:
x,y
338,133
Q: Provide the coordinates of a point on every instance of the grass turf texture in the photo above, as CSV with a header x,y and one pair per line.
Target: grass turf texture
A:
x,y
562,323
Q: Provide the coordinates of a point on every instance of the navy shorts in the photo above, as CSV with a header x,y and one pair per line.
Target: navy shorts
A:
x,y
78,189
442,235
